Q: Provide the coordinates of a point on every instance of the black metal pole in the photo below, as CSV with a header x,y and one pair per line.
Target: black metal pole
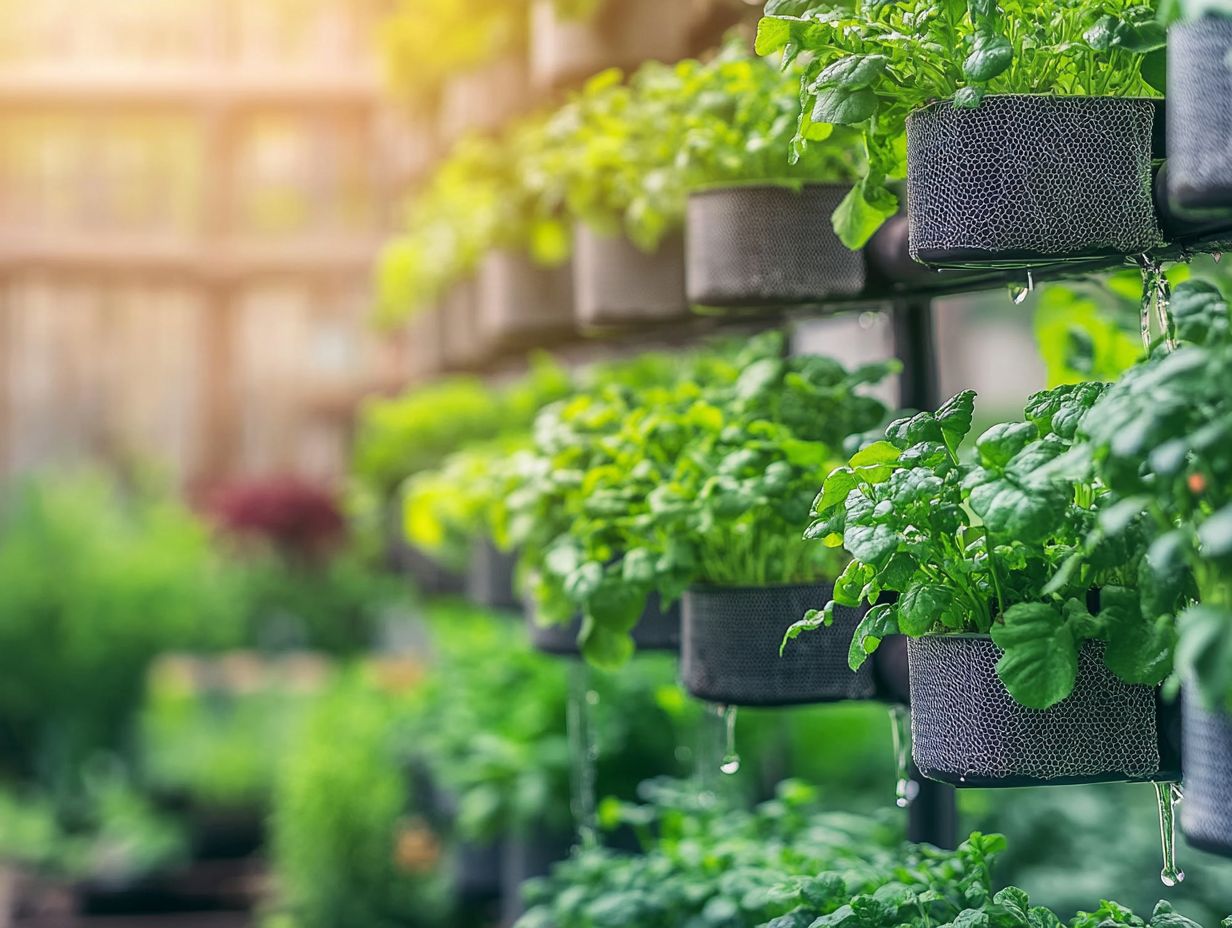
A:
x,y
932,817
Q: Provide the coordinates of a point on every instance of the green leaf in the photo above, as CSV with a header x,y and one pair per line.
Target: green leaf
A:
x,y
1204,652
772,35
1215,535
842,480
878,623
921,607
874,463
1040,663
1100,35
872,544
862,212
1138,650
842,107
1026,513
606,648
954,417
969,98
1164,575
997,446
851,73
990,56
850,583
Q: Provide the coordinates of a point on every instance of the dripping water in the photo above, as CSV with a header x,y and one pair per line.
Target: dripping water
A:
x,y
905,788
730,765
1217,256
1168,795
1156,298
583,751
1019,292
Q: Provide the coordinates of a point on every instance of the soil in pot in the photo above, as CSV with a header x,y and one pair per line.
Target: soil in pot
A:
x,y
657,630
620,34
522,304
1200,115
764,245
1206,813
1024,180
966,729
616,284
730,641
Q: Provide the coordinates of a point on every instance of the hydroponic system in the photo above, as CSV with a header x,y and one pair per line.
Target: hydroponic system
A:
x,y
667,208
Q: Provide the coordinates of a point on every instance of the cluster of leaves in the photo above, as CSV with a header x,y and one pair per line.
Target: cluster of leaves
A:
x,y
404,436
1171,11
1159,439
504,765
1008,544
870,63
700,478
788,865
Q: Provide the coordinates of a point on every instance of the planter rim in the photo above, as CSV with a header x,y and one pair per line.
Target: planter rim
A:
x,y
796,185
746,588
937,104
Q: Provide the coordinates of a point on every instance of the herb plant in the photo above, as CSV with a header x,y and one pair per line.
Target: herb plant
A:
x,y
998,545
870,63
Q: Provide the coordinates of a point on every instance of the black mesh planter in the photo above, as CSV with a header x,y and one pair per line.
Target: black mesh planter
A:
x,y
522,304
475,871
1022,180
657,630
459,321
1200,115
617,285
1206,813
490,575
966,729
767,246
621,34
730,639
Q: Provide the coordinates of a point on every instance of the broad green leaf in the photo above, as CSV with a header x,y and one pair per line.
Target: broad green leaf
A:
x,y
862,212
1138,650
1040,663
1204,652
921,607
1012,511
772,35
1215,535
878,623
851,73
954,417
990,56
842,480
871,543
997,446
842,107
1163,574
875,463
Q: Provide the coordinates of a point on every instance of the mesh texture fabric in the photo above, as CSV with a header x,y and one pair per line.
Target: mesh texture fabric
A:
x,y
657,630
617,284
753,246
967,728
1206,813
1031,178
522,304
729,649
489,577
1200,114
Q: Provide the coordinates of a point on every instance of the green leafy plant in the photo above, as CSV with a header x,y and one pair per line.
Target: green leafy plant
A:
x,y
1001,545
1171,11
870,63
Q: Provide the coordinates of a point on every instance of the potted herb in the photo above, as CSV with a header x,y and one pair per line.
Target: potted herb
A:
x,y
1022,129
572,40
1159,439
1031,661
1199,112
757,227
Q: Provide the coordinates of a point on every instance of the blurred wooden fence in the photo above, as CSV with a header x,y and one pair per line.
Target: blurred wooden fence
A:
x,y
191,193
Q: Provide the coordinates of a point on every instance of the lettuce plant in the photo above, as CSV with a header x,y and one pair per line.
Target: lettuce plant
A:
x,y
998,545
870,63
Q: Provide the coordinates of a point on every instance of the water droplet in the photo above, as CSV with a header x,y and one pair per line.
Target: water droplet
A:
x,y
1156,297
1217,256
1018,293
1168,795
905,789
583,752
731,760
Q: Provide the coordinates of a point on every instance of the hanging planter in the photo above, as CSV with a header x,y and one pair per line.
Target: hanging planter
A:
x,y
459,320
490,577
475,871
529,854
1022,180
522,304
657,630
767,245
620,34
1200,114
483,100
730,642
1206,813
967,729
616,284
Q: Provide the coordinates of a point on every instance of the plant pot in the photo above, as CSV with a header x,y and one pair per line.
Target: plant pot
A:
x,y
616,284
484,100
1200,115
425,346
766,245
490,576
527,857
657,630
621,34
459,321
475,871
429,576
966,729
523,305
1206,813
1024,180
730,642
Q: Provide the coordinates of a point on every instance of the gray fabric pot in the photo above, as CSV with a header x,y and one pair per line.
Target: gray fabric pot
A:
x,y
621,34
616,284
459,320
1206,813
966,729
730,639
1200,114
657,630
766,245
490,575
523,305
1030,179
